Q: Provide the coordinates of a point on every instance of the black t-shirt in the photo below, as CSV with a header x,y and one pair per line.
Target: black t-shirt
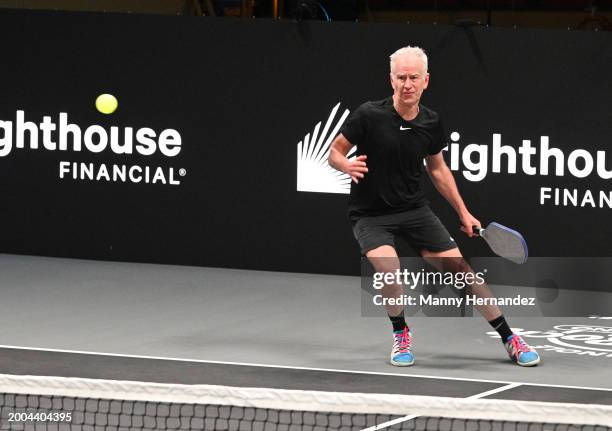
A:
x,y
395,149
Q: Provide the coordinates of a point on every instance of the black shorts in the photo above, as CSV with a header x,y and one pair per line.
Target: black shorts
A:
x,y
420,227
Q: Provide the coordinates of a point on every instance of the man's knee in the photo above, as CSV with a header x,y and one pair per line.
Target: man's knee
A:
x,y
384,258
449,260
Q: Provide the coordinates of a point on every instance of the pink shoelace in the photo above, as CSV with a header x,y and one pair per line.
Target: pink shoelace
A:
x,y
404,339
518,344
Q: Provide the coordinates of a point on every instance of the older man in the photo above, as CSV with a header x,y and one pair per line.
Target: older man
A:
x,y
393,136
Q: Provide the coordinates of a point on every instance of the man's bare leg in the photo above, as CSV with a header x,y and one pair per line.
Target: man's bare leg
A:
x,y
384,259
452,261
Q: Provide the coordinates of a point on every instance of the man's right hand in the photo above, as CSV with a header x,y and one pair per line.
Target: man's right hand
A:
x,y
356,168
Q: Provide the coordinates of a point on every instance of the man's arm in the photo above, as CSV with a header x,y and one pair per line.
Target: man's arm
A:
x,y
443,179
337,159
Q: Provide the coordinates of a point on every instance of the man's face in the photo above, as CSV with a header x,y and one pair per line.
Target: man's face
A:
x,y
409,79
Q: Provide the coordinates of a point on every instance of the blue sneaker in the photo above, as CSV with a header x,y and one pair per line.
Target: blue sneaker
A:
x,y
520,352
401,355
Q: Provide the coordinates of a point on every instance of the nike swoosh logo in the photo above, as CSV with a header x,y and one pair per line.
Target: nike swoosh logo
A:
x,y
405,128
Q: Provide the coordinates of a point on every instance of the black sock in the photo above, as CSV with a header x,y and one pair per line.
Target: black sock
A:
x,y
502,328
399,323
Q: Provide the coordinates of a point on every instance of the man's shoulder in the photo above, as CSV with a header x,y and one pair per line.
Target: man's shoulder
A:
x,y
374,106
428,113
428,117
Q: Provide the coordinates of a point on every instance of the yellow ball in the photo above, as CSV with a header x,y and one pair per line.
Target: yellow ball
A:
x,y
106,103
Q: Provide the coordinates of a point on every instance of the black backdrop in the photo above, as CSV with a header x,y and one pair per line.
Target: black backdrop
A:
x,y
242,94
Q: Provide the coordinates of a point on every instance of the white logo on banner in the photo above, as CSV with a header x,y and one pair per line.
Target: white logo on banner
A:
x,y
313,172
64,137
583,340
476,161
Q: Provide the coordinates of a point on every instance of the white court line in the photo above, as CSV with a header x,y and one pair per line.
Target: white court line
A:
x,y
390,423
493,391
407,418
289,367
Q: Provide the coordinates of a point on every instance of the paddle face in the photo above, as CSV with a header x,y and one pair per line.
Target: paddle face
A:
x,y
505,242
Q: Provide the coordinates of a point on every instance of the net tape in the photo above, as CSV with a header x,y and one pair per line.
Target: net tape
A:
x,y
263,401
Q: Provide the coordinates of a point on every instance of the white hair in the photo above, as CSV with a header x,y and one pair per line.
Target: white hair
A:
x,y
409,51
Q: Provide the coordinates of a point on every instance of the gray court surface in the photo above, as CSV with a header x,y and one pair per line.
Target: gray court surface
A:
x,y
182,324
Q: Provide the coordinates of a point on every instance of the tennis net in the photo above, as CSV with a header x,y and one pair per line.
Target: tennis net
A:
x,y
56,403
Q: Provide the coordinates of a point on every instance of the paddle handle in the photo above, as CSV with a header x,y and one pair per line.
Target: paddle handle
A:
x,y
477,230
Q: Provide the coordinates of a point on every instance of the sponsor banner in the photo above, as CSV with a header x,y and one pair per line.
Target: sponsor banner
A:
x,y
474,162
62,136
217,151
